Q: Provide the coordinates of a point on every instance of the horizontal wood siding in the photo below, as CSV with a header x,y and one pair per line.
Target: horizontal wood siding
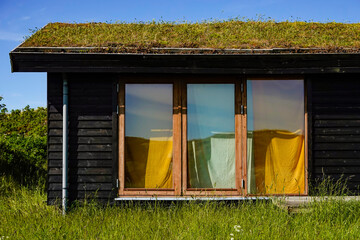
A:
x,y
335,125
92,134
54,105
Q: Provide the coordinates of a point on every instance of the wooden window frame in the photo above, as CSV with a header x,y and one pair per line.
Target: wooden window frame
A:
x,y
284,78
180,134
138,192
239,174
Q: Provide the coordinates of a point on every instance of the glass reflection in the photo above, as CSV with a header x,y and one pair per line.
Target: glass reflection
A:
x,y
275,141
211,135
148,135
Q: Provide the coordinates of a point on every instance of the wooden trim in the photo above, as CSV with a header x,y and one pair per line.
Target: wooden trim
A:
x,y
225,79
306,138
186,63
275,77
308,130
121,168
176,171
184,135
212,193
115,132
149,189
177,138
146,192
238,138
244,135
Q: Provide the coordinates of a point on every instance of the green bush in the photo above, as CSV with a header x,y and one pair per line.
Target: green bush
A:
x,y
23,145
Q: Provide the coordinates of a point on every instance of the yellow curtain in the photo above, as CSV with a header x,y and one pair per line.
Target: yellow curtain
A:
x,y
279,162
159,163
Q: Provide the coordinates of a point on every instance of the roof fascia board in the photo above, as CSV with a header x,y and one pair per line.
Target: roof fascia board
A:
x,y
188,63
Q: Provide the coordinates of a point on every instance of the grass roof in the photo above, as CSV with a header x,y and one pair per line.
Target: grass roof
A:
x,y
231,34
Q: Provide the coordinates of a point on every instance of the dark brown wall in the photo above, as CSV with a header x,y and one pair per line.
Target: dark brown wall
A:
x,y
335,121
92,136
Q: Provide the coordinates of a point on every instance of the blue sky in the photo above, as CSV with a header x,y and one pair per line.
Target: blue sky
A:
x,y
18,16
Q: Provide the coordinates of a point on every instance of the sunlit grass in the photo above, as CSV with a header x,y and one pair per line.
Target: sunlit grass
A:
x,y
233,33
25,215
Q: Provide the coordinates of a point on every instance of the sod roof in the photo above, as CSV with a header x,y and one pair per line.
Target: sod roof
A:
x,y
210,36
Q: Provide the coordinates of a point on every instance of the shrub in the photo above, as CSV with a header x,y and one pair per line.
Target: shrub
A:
x,y
23,145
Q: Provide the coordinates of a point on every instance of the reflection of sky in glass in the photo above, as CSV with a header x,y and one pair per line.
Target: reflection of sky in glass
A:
x,y
148,110
210,108
275,104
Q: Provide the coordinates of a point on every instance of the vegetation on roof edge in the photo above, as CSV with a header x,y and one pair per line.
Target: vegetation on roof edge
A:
x,y
230,34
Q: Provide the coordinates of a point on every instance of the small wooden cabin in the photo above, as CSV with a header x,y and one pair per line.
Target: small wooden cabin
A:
x,y
146,117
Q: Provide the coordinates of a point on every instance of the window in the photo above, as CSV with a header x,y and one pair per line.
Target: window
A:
x,y
193,136
275,136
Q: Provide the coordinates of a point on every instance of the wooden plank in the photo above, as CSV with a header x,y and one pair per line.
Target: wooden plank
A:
x,y
55,132
336,154
82,155
54,109
82,140
337,138
337,162
114,140
177,137
74,147
337,131
121,129
184,135
82,163
239,174
344,177
83,194
328,170
188,63
92,132
58,117
307,172
337,116
82,186
82,178
336,146
337,123
94,148
83,171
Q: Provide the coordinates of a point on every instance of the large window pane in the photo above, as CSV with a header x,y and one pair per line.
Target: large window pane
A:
x,y
211,135
275,122
148,135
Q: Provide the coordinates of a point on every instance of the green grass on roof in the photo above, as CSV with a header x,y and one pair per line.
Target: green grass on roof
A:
x,y
221,35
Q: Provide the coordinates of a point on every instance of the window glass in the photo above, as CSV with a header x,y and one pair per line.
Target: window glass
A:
x,y
148,135
275,139
211,135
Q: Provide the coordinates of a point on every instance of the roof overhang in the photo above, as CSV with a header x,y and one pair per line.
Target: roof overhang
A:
x,y
193,61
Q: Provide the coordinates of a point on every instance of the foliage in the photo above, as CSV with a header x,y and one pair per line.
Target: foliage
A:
x,y
25,215
238,33
23,145
2,106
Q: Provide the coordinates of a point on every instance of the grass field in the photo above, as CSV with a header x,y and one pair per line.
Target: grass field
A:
x,y
25,215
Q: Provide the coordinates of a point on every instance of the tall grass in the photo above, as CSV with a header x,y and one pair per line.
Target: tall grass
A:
x,y
25,215
232,33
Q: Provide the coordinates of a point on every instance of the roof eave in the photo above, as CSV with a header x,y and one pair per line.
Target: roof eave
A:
x,y
259,63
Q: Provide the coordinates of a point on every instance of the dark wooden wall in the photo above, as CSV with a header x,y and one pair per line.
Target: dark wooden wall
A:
x,y
92,136
334,132
334,105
